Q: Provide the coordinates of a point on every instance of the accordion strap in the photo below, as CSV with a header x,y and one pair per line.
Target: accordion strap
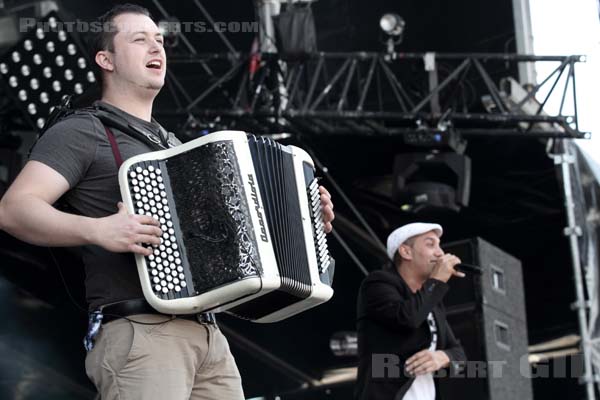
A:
x,y
114,146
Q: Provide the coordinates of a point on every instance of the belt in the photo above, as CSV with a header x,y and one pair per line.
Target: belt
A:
x,y
126,308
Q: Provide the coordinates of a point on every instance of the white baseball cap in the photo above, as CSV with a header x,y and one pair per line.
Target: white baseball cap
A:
x,y
405,232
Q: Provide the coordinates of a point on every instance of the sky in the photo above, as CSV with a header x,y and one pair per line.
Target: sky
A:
x,y
568,27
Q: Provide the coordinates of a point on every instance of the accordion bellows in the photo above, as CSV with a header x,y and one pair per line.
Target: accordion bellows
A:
x,y
242,227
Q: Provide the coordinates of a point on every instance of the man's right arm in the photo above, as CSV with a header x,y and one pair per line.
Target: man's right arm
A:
x,y
26,212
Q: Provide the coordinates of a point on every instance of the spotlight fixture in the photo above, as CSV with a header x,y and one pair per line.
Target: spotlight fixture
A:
x,y
344,344
431,181
47,64
170,28
393,26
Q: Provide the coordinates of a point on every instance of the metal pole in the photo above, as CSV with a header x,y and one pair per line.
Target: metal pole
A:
x,y
343,195
267,357
266,10
212,23
573,231
350,253
524,39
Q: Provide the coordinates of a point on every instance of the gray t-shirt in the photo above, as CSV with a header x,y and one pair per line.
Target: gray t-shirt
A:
x,y
78,148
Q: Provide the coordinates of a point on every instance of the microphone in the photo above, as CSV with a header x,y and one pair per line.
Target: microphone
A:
x,y
462,267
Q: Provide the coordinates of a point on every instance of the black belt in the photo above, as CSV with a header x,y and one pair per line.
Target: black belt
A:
x,y
126,308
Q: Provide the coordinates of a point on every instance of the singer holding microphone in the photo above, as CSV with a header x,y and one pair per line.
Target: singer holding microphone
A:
x,y
403,335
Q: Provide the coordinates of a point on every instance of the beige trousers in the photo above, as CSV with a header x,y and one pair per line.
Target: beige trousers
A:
x,y
175,360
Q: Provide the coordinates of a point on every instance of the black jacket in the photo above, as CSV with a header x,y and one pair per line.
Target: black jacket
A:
x,y
391,320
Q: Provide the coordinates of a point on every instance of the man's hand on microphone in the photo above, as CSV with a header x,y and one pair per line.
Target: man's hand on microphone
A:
x,y
443,269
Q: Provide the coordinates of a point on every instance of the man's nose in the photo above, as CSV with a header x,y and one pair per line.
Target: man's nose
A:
x,y
155,48
439,253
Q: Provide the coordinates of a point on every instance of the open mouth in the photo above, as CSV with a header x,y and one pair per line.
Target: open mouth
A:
x,y
154,64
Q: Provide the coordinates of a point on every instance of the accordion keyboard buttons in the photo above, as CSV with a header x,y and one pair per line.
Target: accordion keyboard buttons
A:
x,y
149,194
320,240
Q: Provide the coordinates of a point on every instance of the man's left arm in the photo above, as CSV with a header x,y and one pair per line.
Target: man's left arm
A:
x,y
427,361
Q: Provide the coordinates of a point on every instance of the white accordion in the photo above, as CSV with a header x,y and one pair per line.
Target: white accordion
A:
x,y
242,227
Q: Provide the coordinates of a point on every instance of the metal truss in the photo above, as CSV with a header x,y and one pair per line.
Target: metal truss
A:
x,y
375,94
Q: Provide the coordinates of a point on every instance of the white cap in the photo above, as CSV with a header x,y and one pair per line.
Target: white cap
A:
x,y
405,232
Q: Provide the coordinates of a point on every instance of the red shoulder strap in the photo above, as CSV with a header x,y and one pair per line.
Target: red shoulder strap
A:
x,y
114,146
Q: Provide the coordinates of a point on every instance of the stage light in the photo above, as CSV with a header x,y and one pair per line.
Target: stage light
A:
x,y
170,29
392,24
52,22
344,344
431,181
31,108
44,66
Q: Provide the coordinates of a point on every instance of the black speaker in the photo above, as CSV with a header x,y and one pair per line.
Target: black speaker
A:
x,y
486,310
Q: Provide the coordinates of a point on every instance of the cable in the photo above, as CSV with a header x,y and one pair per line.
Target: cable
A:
x,y
80,308
66,286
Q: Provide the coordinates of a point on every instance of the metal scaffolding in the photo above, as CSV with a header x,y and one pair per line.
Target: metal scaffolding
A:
x,y
581,185
385,94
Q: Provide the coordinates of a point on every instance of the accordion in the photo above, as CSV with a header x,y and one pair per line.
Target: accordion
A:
x,y
242,228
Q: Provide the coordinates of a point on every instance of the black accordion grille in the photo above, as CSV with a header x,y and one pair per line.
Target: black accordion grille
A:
x,y
212,210
277,183
208,224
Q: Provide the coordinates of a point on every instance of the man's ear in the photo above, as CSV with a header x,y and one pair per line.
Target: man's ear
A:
x,y
104,60
405,252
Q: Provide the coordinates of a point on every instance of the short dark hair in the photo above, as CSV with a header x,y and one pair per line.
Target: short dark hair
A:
x,y
103,38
